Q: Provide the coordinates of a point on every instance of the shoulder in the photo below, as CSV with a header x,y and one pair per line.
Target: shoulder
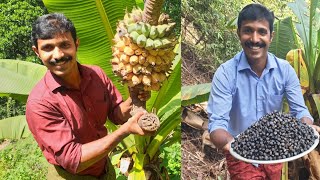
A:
x,y
230,66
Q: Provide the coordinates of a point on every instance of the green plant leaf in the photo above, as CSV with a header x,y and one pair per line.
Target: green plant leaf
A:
x,y
137,171
17,78
284,39
95,22
14,128
195,94
115,158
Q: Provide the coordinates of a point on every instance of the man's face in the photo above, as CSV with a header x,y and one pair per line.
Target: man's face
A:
x,y
58,54
255,39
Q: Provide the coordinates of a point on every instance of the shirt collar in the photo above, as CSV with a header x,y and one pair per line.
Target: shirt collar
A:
x,y
54,82
243,62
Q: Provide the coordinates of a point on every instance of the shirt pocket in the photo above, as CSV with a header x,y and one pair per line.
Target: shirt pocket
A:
x,y
275,102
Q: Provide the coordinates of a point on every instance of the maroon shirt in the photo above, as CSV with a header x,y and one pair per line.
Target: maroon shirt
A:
x,y
62,119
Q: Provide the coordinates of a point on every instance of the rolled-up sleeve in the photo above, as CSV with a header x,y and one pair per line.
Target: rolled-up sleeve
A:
x,y
53,135
220,100
294,95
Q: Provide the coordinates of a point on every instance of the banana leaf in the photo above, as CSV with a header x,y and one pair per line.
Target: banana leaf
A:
x,y
17,78
95,22
195,94
14,128
284,38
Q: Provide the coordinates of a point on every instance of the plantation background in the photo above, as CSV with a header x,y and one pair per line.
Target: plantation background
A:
x,y
21,158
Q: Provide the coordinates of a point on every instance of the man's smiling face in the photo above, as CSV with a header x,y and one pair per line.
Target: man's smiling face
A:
x,y
255,38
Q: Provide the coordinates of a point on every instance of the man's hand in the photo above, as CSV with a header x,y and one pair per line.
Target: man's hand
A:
x,y
133,126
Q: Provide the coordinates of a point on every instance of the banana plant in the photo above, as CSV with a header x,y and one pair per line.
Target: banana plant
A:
x,y
96,22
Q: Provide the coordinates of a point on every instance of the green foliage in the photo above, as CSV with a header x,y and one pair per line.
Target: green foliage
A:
x,y
23,160
16,18
173,8
172,160
10,107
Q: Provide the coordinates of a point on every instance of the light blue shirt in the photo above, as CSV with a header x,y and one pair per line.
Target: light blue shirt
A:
x,y
238,97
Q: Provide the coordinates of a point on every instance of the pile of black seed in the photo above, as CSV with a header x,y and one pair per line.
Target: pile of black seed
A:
x,y
274,136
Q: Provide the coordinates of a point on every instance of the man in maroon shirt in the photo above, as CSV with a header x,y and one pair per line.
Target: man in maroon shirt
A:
x,y
66,111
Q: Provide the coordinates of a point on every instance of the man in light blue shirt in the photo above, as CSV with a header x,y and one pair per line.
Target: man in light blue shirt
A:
x,y
250,85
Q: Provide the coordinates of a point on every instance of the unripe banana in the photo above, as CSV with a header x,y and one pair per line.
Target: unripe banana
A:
x,y
135,80
141,40
153,52
149,44
144,53
131,27
138,51
158,60
138,28
115,60
146,80
170,27
141,60
162,30
166,42
134,60
155,87
136,69
152,60
134,36
145,29
155,78
128,68
124,58
133,46
128,51
153,32
157,43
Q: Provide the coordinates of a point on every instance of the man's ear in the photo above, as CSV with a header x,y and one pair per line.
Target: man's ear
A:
x,y
272,35
77,43
35,50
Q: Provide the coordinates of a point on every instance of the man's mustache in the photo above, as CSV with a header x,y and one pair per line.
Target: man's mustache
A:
x,y
55,61
258,44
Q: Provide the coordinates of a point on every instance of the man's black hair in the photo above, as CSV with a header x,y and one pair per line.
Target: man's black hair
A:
x,y
256,12
49,25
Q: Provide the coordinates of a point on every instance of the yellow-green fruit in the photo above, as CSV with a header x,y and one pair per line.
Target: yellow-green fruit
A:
x,y
124,58
153,32
153,52
136,69
141,40
134,36
162,77
131,27
141,60
144,53
161,30
152,60
138,51
145,29
158,60
134,60
133,46
149,44
157,43
135,80
155,77
128,51
146,80
128,68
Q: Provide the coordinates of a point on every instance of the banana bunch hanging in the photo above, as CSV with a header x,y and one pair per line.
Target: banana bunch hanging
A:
x,y
143,53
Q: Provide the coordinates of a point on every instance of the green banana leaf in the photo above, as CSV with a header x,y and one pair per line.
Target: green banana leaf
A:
x,y
14,128
284,38
17,78
95,22
308,29
195,94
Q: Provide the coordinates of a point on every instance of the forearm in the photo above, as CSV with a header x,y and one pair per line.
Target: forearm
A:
x,y
96,150
220,138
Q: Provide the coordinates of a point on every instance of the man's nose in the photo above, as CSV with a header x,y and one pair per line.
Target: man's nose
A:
x,y
58,53
255,37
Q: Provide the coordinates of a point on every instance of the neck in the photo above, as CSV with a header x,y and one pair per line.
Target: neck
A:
x,y
258,65
73,80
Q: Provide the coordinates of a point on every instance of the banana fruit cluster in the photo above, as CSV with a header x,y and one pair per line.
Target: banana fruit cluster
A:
x,y
143,53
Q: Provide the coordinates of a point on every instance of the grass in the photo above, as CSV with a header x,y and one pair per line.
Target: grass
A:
x,y
22,160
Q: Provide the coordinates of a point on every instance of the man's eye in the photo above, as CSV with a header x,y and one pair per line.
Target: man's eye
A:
x,y
65,45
